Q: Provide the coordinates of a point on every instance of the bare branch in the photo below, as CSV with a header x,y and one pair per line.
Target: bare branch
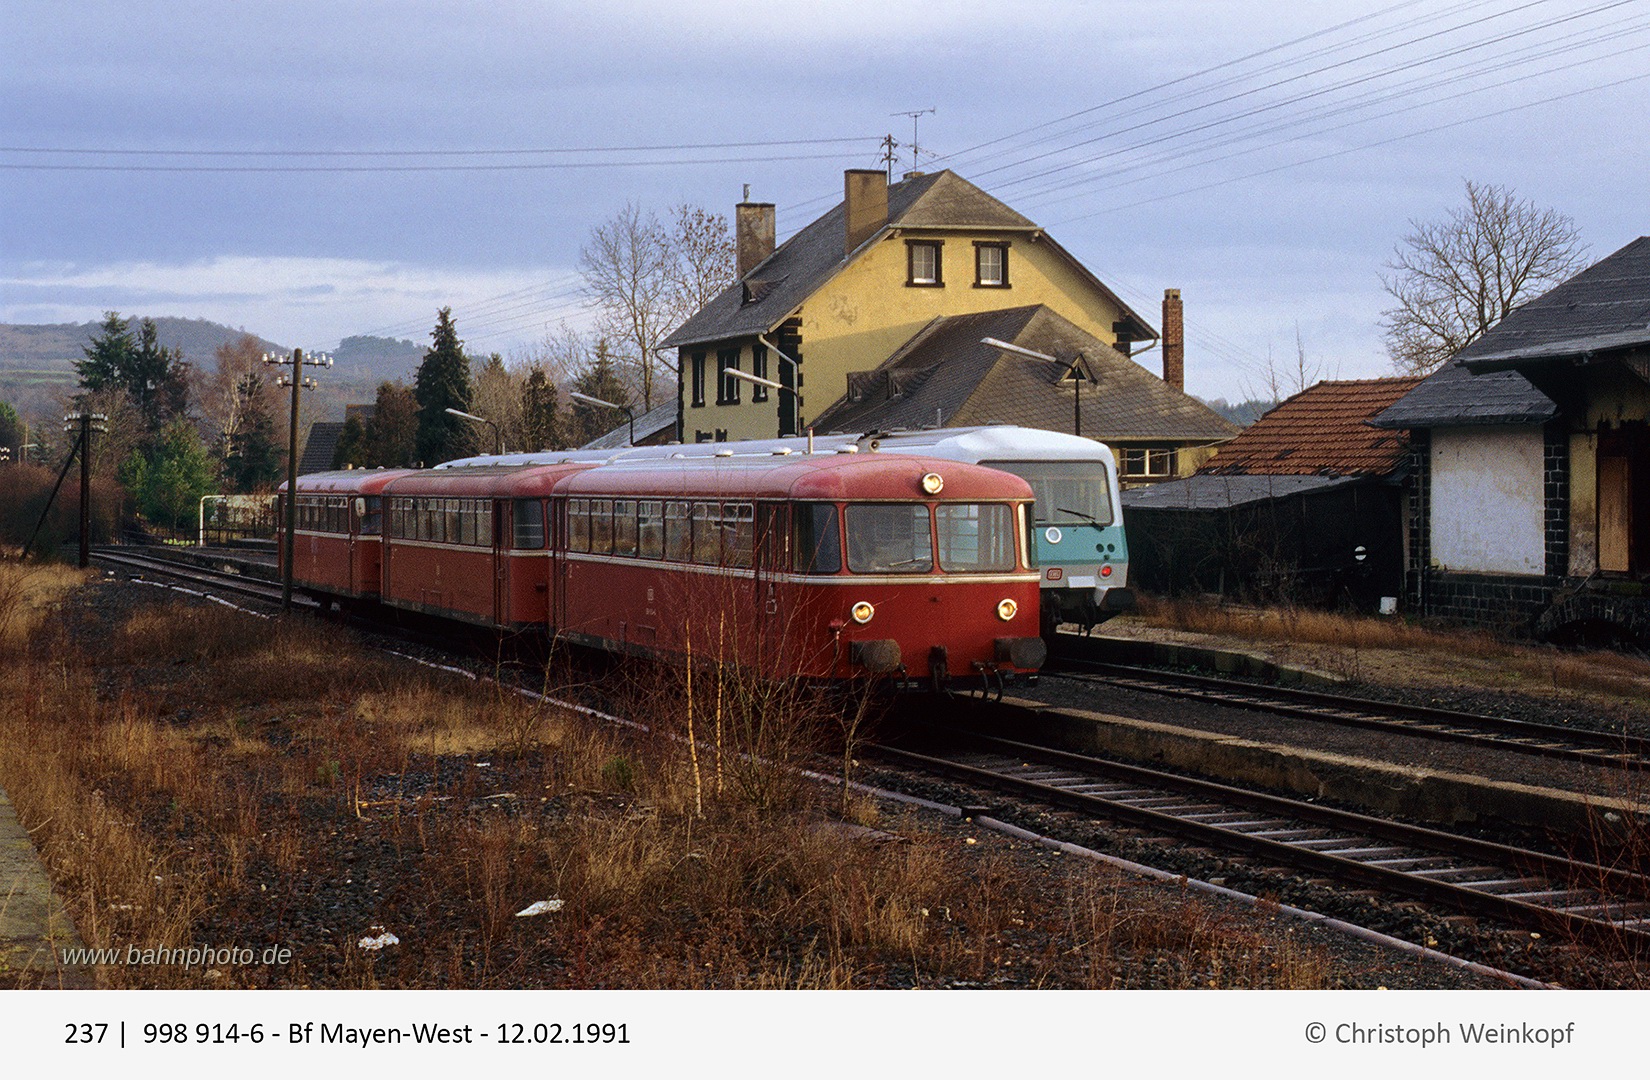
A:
x,y
1456,278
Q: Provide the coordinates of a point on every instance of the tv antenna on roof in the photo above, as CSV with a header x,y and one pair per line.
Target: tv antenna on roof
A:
x,y
914,114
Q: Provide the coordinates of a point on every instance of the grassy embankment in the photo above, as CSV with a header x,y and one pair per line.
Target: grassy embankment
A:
x,y
193,775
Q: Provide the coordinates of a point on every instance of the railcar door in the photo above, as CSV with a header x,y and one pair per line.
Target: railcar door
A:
x,y
502,615
773,558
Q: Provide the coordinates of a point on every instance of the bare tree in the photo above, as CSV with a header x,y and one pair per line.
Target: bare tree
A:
x,y
1454,279
627,269
646,278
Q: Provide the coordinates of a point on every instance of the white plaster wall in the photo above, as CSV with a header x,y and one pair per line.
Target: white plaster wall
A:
x,y
1487,500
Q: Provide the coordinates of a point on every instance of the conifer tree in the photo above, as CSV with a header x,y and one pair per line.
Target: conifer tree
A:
x,y
443,382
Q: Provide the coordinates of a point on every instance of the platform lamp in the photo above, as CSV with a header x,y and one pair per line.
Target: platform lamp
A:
x,y
498,436
626,409
1076,371
298,382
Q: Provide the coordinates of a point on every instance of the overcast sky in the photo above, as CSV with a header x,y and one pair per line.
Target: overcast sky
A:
x,y
1263,158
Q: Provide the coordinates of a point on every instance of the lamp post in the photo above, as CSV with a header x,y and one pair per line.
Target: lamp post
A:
x,y
298,382
626,409
1076,370
498,436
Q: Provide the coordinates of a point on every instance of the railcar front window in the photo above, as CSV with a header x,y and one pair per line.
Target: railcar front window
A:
x,y
975,537
529,524
892,538
1067,492
818,545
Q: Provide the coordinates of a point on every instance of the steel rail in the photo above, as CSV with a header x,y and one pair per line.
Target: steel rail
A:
x,y
185,572
1622,751
1605,905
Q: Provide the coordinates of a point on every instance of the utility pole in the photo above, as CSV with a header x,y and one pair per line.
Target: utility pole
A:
x,y
297,381
88,423
888,148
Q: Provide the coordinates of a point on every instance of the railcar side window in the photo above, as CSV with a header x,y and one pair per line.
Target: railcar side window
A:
x,y
975,537
650,530
578,524
818,546
624,527
738,534
1067,492
529,524
372,520
707,539
678,532
889,538
601,526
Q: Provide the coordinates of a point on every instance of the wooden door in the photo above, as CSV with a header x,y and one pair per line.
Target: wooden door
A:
x,y
1615,514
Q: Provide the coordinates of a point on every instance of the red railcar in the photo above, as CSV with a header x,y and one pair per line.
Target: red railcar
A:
x,y
337,548
815,566
825,567
475,545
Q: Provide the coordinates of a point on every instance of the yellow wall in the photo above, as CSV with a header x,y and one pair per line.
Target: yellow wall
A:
x,y
857,320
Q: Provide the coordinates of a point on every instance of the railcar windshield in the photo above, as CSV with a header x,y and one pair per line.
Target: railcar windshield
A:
x,y
890,538
1068,492
818,544
975,537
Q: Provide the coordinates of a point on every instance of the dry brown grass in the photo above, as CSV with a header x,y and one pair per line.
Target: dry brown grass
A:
x,y
1360,646
209,778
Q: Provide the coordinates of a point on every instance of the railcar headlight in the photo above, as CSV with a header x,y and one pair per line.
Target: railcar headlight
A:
x,y
1006,609
862,612
932,483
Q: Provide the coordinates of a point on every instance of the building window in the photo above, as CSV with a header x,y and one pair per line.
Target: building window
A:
x,y
922,263
759,368
727,387
1148,462
991,266
698,365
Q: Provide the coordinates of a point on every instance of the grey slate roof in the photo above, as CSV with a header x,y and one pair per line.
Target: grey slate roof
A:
x,y
945,376
809,259
652,422
1604,308
1203,492
319,447
1453,395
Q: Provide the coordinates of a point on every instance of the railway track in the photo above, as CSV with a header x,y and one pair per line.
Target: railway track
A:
x,y
1599,748
217,581
1604,905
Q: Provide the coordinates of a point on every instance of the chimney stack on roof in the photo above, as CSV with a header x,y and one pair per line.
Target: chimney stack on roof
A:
x,y
1174,340
864,205
753,232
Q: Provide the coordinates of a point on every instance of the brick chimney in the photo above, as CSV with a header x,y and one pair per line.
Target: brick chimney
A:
x,y
865,205
753,230
1174,340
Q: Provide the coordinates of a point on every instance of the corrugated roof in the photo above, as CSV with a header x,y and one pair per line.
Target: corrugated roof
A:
x,y
649,423
801,265
1205,492
1604,308
945,376
1321,431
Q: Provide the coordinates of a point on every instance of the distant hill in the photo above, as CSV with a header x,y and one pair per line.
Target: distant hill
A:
x,y
379,357
48,346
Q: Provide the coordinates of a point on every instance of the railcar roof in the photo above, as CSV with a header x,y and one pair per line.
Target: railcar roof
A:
x,y
815,476
347,481
488,481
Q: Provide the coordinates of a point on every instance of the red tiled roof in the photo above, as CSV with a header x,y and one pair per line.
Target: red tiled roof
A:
x,y
1321,431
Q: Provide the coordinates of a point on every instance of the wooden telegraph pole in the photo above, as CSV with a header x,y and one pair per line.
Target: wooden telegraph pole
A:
x,y
298,382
